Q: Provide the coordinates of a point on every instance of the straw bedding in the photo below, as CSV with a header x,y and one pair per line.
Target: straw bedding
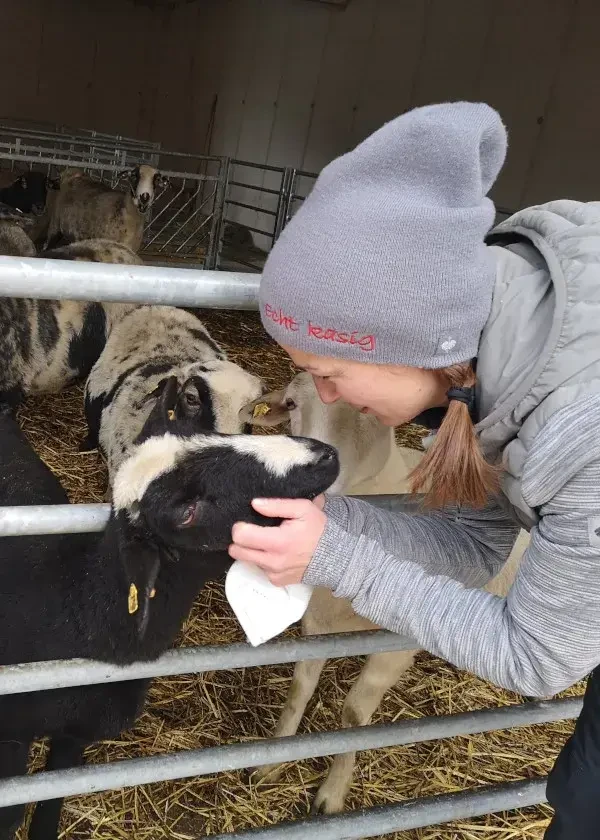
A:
x,y
194,711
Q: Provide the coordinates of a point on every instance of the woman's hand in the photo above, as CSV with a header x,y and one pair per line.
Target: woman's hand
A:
x,y
285,551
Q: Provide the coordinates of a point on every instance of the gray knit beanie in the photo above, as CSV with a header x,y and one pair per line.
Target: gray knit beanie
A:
x,y
385,261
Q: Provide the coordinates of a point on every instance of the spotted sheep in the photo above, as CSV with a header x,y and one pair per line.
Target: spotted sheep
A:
x,y
370,463
94,250
47,345
151,347
121,596
82,208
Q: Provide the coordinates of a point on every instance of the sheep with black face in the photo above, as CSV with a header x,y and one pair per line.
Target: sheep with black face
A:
x,y
151,346
122,595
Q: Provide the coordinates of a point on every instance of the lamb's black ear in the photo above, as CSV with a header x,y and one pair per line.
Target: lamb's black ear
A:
x,y
140,559
162,415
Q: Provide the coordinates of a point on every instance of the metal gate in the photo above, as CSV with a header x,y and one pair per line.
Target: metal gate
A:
x,y
93,281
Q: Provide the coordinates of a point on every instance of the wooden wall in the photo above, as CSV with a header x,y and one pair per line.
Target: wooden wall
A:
x,y
300,82
303,82
113,66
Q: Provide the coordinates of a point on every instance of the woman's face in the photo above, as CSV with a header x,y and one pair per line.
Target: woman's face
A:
x,y
393,393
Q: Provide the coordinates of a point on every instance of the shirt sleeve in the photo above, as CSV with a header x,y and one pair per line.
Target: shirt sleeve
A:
x,y
410,573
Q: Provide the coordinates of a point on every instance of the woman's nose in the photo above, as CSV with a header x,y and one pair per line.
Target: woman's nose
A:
x,y
326,390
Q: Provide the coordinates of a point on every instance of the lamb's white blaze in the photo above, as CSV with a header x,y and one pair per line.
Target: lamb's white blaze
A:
x,y
278,454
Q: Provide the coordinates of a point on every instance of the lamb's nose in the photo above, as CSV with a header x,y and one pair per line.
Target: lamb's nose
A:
x,y
328,454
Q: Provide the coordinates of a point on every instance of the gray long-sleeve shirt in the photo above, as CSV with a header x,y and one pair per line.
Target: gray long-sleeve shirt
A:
x,y
410,573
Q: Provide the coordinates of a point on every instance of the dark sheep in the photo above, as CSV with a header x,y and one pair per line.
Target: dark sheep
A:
x,y
121,596
27,193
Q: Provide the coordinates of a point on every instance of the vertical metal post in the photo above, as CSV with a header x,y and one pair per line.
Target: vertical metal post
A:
x,y
290,196
213,251
283,203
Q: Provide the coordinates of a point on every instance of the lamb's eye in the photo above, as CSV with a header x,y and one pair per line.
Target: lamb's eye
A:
x,y
188,515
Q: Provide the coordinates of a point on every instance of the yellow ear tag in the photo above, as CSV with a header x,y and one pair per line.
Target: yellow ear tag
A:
x,y
153,593
261,409
171,414
132,600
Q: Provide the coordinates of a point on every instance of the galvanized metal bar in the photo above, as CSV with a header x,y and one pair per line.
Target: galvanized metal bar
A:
x,y
263,166
140,771
30,520
250,207
39,676
287,210
268,234
91,165
213,249
282,203
71,280
254,187
33,520
414,813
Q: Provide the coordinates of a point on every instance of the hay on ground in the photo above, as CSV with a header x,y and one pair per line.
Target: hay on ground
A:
x,y
201,710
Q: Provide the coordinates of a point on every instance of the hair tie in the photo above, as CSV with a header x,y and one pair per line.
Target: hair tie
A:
x,y
463,395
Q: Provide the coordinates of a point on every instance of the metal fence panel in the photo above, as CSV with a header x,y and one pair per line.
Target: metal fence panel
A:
x,y
42,676
201,762
184,217
416,813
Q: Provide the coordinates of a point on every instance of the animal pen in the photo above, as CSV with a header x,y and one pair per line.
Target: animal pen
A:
x,y
184,242
216,212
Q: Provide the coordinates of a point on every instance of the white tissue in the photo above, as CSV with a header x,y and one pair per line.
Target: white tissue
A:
x,y
263,610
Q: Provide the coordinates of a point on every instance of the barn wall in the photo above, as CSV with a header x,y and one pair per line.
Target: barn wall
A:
x,y
300,82
303,82
113,66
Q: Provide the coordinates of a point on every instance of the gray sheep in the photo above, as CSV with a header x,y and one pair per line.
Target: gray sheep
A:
x,y
84,208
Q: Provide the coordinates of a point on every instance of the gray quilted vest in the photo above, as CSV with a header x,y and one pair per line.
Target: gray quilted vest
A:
x,y
540,349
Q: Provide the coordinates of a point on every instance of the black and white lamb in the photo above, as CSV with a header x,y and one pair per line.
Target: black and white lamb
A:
x,y
122,595
150,345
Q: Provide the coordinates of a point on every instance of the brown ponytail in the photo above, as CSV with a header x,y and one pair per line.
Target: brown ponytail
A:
x,y
453,470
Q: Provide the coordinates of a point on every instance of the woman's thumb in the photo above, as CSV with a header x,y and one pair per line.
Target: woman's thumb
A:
x,y
282,508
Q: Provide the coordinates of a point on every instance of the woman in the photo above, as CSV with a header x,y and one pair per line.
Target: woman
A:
x,y
383,289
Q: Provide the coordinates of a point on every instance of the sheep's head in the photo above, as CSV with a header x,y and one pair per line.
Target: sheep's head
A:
x,y
179,494
145,182
199,484
298,403
207,396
